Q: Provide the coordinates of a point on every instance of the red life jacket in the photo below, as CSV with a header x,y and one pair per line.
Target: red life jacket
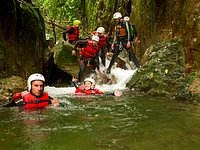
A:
x,y
89,51
102,40
75,35
80,90
31,101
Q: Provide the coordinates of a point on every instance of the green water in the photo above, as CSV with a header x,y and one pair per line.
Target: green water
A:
x,y
103,123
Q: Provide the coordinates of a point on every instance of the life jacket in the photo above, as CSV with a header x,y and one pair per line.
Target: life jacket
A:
x,y
74,35
121,29
30,101
80,90
102,40
89,51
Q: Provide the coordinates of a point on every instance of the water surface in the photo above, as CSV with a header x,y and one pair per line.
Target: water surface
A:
x,y
103,123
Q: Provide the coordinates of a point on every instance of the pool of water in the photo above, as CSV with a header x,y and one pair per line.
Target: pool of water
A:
x,y
103,123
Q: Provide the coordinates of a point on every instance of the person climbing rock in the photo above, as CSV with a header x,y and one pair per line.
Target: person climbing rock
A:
x,y
73,32
88,55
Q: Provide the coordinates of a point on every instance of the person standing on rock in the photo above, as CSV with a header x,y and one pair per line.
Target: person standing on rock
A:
x,y
122,39
73,32
134,41
103,43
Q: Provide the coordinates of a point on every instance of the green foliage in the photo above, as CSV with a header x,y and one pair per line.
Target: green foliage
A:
x,y
61,12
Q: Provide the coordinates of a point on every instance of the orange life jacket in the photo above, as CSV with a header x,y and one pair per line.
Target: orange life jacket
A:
x,y
102,39
89,51
80,90
30,101
121,29
74,35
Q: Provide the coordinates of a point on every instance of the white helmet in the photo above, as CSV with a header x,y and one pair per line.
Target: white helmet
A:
x,y
126,18
90,80
117,15
33,77
95,38
101,30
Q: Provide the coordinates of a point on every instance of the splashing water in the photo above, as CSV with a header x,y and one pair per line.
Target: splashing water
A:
x,y
122,77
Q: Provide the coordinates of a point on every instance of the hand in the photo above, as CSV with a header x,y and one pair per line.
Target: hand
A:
x,y
55,102
136,41
128,44
74,79
73,52
112,46
109,53
117,93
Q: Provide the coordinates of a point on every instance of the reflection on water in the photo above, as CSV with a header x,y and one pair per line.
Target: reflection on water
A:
x,y
103,123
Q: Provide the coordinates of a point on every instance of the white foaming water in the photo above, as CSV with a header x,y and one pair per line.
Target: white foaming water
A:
x,y
122,77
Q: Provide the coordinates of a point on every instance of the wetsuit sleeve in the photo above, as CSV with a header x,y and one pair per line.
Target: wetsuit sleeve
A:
x,y
75,85
115,36
69,30
50,99
81,42
128,30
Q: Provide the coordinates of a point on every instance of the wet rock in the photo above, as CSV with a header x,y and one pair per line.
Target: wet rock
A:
x,y
163,72
11,85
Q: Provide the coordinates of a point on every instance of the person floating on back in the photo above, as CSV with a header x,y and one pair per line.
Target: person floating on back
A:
x,y
35,97
73,32
88,88
122,39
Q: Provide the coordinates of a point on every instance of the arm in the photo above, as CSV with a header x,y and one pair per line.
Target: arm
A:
x,y
67,31
54,102
82,42
128,31
108,43
114,39
116,93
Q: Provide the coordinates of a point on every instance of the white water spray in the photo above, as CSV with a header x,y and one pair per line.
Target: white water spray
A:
x,y
122,76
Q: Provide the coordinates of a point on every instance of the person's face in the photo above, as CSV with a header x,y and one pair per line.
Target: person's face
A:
x,y
37,88
117,20
87,85
99,34
94,43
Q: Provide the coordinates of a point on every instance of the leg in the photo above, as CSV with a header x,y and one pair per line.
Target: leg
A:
x,y
103,57
95,64
133,58
113,59
81,71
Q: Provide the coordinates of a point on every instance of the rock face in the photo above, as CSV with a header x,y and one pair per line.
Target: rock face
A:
x,y
159,21
163,73
22,39
11,85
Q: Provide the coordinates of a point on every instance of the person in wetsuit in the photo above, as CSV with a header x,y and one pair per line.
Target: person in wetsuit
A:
x,y
73,32
122,39
88,55
103,43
